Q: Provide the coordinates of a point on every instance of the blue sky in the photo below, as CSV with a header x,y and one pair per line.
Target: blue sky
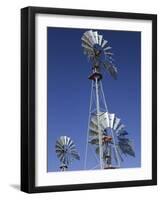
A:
x,y
69,89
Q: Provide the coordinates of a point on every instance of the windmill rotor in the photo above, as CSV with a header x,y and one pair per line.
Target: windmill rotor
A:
x,y
98,51
109,122
66,151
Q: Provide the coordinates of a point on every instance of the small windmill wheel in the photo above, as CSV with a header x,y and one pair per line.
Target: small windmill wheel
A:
x,y
66,152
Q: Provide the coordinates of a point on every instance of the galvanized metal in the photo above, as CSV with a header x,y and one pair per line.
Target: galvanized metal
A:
x,y
66,152
106,133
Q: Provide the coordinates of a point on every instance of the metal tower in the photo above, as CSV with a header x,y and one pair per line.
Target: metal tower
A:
x,y
106,133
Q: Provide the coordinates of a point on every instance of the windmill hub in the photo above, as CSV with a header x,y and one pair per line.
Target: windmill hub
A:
x,y
97,50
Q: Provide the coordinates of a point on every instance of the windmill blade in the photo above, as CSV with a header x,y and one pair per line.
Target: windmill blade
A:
x,y
107,48
110,58
88,38
93,127
104,123
61,157
59,153
109,53
114,154
93,132
94,122
75,155
89,35
97,150
104,43
126,147
121,127
119,153
122,132
100,37
58,146
87,42
66,139
70,143
96,36
112,119
87,48
62,140
94,140
111,69
104,120
117,123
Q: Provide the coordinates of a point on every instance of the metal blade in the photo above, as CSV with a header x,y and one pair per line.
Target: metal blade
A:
x,y
75,155
61,157
114,153
100,37
87,48
104,43
126,148
68,141
96,36
122,132
60,143
107,48
62,140
89,35
109,53
117,123
122,126
97,150
112,118
94,140
94,122
58,148
65,140
119,153
103,124
93,132
87,42
105,121
111,69
71,143
93,126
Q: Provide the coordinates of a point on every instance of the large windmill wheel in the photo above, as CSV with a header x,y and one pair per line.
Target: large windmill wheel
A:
x,y
66,152
98,51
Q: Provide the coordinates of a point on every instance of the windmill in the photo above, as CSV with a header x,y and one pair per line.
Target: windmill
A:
x,y
106,133
66,152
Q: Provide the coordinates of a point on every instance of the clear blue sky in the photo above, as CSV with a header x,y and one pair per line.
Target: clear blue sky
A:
x,y
69,89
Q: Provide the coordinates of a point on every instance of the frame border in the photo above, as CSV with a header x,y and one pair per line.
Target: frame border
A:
x,y
28,98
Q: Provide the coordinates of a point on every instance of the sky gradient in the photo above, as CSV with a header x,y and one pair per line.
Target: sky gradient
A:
x,y
69,90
